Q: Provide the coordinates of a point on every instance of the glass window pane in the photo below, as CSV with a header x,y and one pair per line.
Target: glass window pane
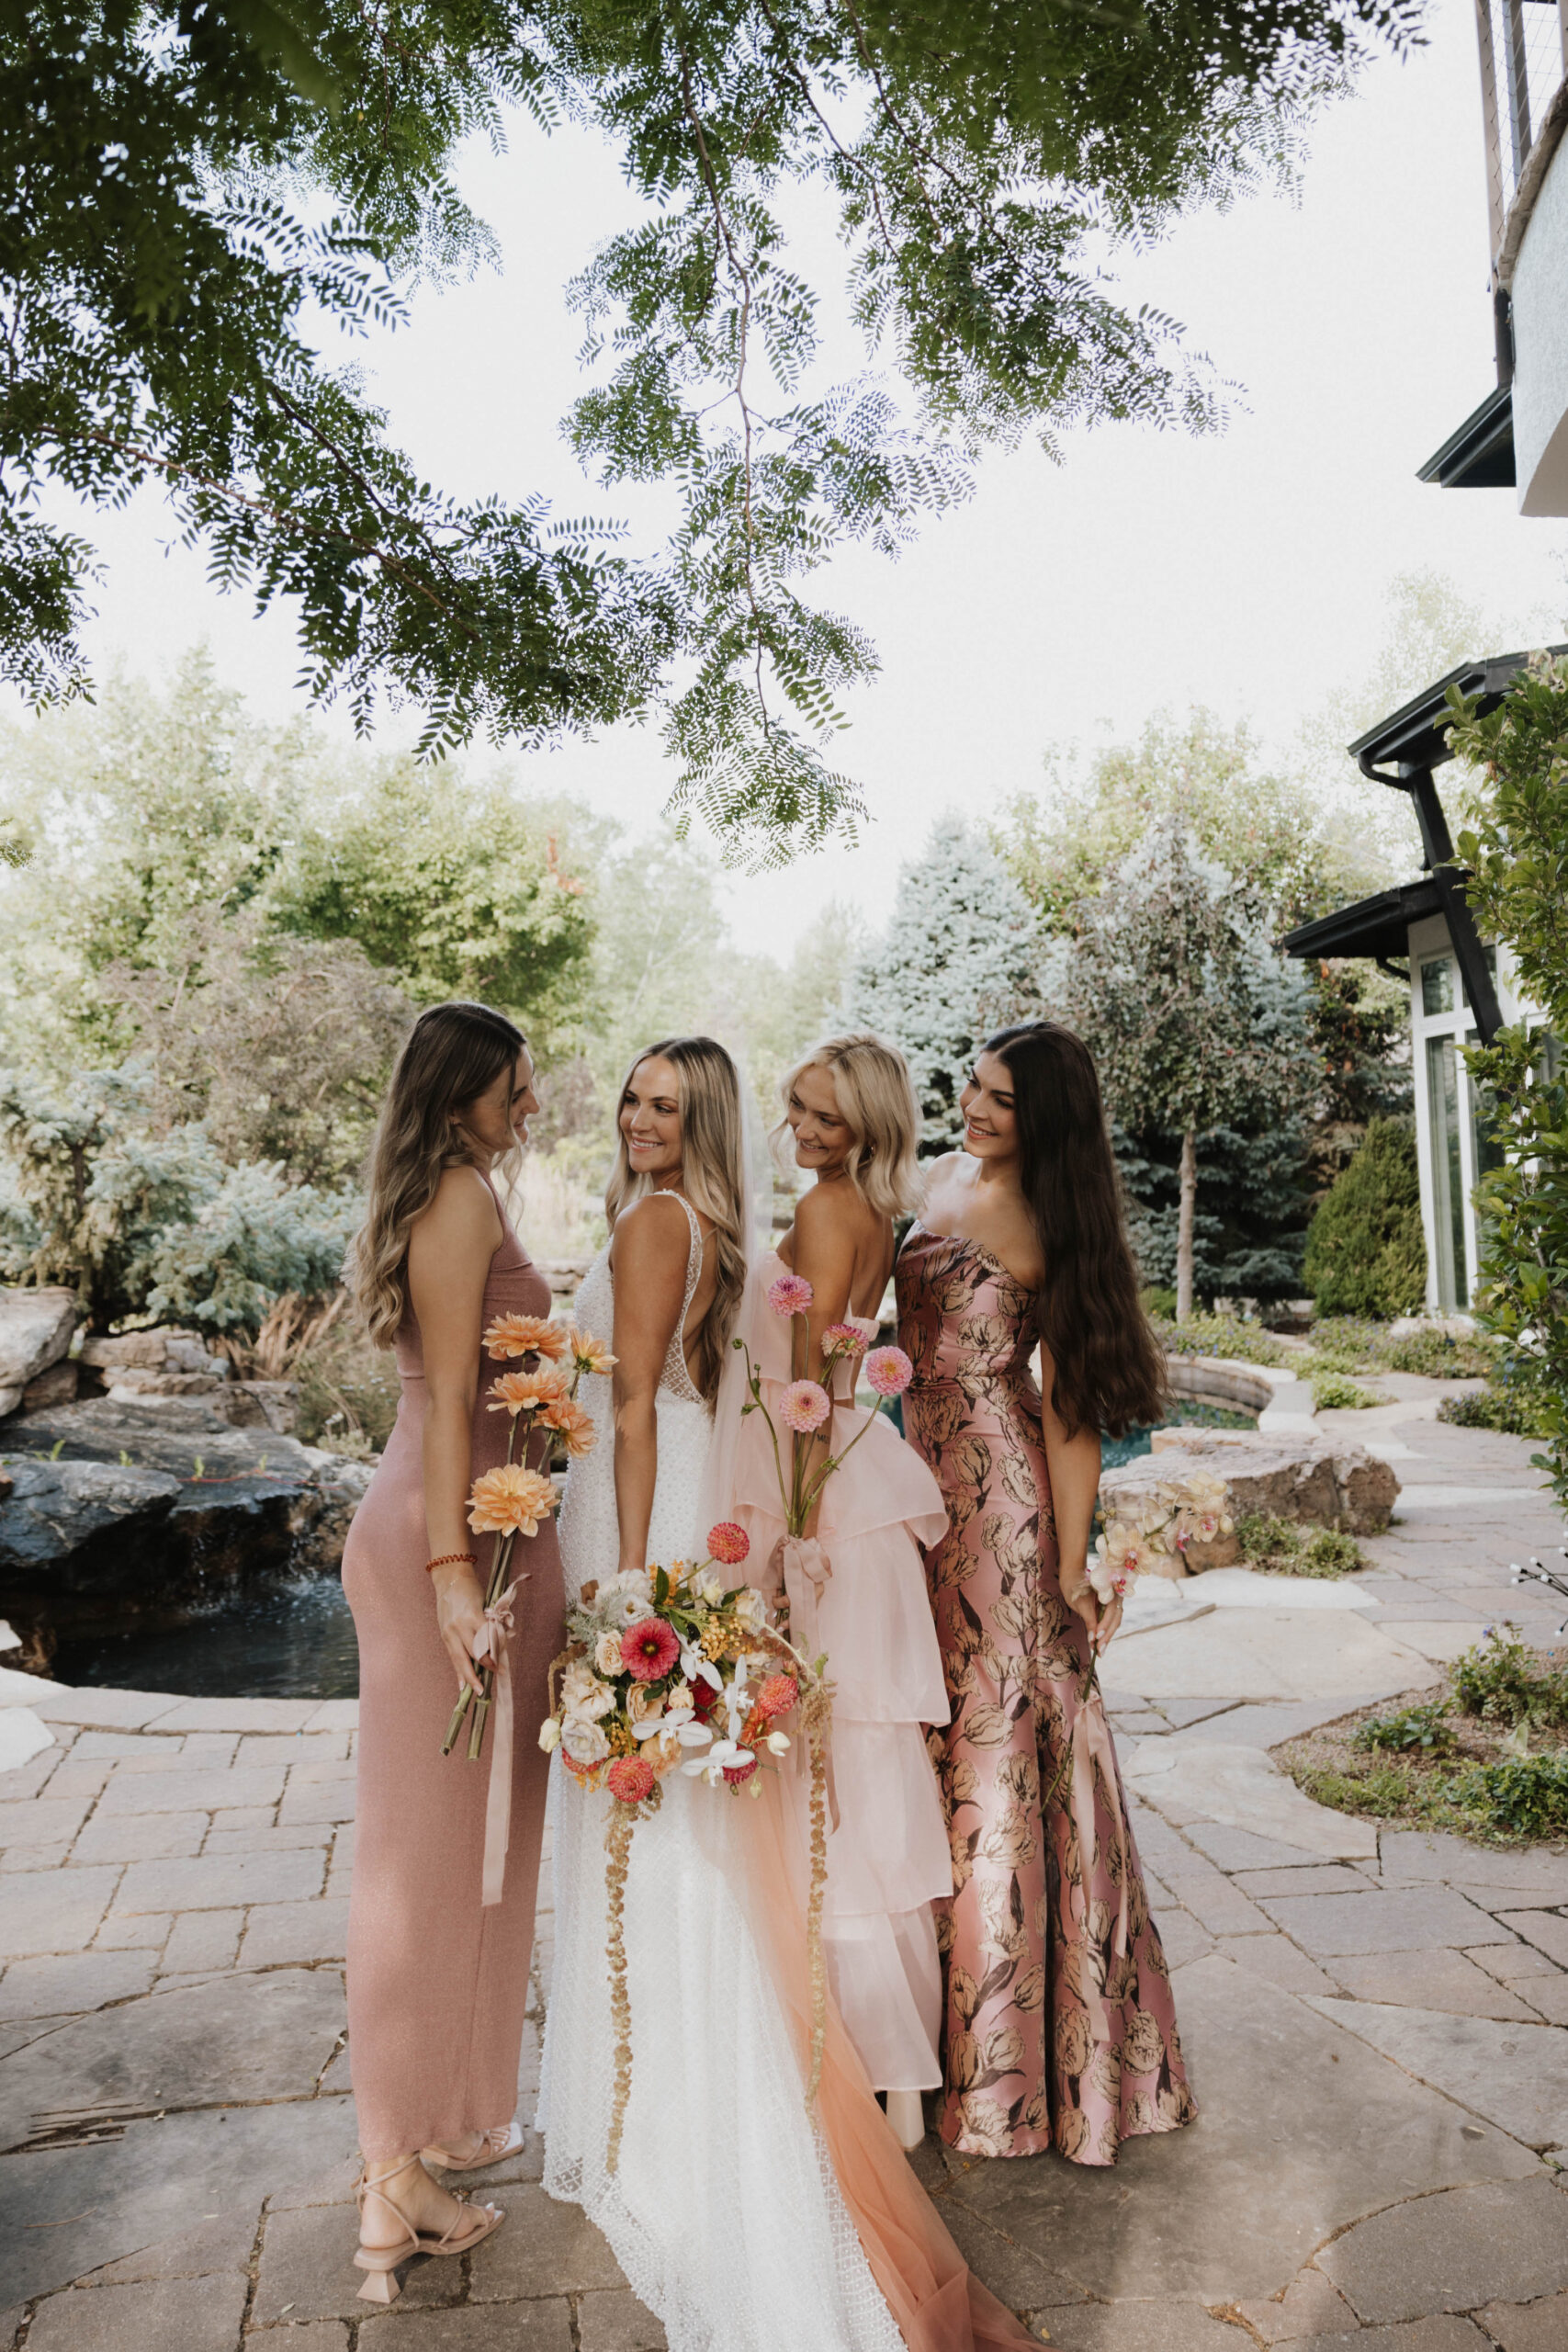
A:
x,y
1438,985
1448,1179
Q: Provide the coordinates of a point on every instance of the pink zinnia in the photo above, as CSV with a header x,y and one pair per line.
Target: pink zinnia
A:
x,y
630,1778
650,1650
889,1371
728,1543
739,1774
791,1294
845,1339
805,1406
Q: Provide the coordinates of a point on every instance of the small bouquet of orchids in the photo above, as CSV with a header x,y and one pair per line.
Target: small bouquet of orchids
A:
x,y
678,1669
509,1501
1153,1533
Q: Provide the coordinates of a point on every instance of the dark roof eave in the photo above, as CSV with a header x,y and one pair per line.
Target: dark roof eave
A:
x,y
1376,927
1409,738
1480,454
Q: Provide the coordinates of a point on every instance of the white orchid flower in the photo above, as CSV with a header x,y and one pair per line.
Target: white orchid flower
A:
x,y
693,1665
711,1767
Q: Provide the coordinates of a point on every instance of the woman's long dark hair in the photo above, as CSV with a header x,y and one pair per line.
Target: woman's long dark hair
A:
x,y
1110,1368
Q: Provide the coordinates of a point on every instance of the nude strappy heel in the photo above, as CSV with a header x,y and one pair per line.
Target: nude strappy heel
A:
x,y
504,2140
382,2285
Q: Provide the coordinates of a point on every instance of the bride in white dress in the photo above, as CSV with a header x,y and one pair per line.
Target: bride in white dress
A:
x,y
745,2223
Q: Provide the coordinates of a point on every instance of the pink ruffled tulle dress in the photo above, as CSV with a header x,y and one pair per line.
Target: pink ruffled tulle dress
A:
x,y
888,1858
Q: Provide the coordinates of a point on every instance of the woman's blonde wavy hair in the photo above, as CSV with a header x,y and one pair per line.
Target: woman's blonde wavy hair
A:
x,y
876,1098
453,1053
712,1178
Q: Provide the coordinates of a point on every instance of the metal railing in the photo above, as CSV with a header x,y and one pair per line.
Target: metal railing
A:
x,y
1524,63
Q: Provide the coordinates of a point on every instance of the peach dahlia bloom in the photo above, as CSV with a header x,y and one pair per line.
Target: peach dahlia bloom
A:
x,y
509,1500
525,1335
526,1392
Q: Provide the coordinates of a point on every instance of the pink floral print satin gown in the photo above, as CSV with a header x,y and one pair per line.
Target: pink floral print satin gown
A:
x,y
1060,2023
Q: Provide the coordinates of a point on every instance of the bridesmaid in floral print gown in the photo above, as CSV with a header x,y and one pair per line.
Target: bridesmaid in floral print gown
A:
x,y
1060,2021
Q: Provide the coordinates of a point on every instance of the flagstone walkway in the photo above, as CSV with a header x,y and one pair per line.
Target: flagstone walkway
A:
x,y
1377,2026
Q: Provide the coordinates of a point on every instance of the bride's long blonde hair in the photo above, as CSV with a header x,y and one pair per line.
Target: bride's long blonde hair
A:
x,y
712,1178
453,1053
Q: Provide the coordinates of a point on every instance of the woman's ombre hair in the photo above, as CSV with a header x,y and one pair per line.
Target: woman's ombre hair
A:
x,y
712,1178
875,1096
454,1054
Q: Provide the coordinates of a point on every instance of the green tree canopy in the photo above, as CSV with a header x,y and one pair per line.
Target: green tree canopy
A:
x,y
191,186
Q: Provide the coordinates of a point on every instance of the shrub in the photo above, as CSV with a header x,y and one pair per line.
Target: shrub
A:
x,y
348,1389
1285,1548
1365,1251
1425,1726
1335,1392
1512,1411
1501,1679
1438,1355
1521,1796
1222,1335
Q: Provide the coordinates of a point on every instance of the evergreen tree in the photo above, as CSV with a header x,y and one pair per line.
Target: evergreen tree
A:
x,y
1197,1023
1366,1253
958,961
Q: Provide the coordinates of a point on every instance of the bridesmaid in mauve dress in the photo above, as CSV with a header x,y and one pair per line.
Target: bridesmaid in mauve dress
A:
x,y
1060,2021
437,1979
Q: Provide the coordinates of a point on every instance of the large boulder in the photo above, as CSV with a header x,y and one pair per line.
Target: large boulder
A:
x,y
122,1506
36,1330
1321,1480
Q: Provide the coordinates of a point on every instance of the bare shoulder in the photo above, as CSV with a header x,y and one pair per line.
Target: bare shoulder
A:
x,y
829,1213
652,1228
947,1177
463,1213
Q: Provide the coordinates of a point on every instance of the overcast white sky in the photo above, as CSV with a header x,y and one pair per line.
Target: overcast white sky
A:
x,y
1248,570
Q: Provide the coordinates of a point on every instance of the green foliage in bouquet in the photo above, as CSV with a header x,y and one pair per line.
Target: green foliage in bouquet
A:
x,y
1365,1252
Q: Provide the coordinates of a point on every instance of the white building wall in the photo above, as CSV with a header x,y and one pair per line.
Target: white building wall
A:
x,y
1540,292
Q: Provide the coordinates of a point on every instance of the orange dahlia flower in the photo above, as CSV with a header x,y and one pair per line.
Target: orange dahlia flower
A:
x,y
525,1335
588,1353
575,1427
527,1392
509,1500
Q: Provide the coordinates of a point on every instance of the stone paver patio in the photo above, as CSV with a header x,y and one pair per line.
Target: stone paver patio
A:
x,y
1377,2026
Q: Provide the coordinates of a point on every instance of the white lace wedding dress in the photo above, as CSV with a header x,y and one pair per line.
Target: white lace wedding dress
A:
x,y
724,2213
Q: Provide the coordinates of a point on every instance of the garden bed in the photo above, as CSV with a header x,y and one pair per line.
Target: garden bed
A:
x,y
1486,1757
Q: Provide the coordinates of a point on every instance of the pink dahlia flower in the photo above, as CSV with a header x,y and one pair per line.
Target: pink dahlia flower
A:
x,y
889,1371
791,1294
845,1339
630,1778
649,1650
805,1406
727,1543
777,1695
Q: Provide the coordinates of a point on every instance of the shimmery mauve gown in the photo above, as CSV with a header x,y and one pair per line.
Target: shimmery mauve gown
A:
x,y
438,1985
1060,2021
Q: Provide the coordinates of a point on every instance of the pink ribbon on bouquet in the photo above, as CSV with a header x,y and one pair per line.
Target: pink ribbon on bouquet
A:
x,y
490,1641
806,1569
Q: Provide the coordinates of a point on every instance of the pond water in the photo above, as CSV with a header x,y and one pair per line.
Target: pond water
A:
x,y
295,1639
290,1640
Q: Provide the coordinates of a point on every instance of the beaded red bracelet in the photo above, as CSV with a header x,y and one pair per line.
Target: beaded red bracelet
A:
x,y
449,1559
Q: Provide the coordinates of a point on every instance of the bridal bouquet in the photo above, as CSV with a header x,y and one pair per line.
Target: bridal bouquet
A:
x,y
1157,1526
541,1394
677,1669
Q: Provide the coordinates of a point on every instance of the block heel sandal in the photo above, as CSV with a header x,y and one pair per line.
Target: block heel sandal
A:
x,y
381,2285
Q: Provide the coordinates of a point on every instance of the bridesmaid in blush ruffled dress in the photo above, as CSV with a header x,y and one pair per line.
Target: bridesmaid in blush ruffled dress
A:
x,y
1060,2021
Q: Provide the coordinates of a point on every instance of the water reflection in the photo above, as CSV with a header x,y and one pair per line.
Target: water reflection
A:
x,y
292,1640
